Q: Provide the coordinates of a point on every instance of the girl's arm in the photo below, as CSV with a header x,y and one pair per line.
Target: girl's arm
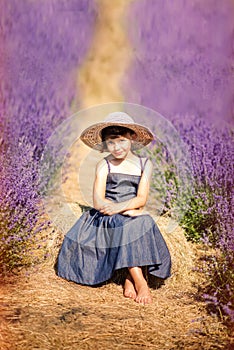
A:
x,y
135,203
99,186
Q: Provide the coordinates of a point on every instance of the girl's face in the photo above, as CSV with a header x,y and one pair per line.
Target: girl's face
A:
x,y
119,146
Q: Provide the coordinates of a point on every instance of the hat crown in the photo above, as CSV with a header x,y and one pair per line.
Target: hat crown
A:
x,y
119,117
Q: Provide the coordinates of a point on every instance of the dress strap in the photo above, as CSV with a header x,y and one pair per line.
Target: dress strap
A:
x,y
143,165
108,164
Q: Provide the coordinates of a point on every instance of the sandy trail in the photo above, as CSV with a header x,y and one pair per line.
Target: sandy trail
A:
x,y
41,311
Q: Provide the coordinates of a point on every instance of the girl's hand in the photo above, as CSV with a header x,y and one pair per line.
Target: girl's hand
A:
x,y
115,208
111,208
133,212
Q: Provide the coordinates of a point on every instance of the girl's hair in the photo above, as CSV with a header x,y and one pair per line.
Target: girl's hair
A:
x,y
112,132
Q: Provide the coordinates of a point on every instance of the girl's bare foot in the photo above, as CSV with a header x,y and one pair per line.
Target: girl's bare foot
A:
x,y
143,294
129,289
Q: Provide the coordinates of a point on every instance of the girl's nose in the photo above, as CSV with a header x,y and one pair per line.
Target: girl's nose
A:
x,y
117,145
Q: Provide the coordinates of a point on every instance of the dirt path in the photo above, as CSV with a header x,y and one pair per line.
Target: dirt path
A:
x,y
98,80
41,311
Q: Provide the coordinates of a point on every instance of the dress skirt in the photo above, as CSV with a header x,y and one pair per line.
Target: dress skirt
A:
x,y
98,245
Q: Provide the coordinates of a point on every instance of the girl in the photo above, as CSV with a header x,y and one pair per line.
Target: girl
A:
x,y
116,233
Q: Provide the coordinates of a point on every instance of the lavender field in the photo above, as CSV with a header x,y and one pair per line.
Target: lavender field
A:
x,y
41,51
182,67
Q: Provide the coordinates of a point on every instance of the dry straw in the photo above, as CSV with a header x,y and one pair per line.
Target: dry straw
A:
x,y
43,311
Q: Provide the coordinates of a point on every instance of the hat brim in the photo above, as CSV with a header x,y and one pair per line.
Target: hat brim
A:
x,y
92,135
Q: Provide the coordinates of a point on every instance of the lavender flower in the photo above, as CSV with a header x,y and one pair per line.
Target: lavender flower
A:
x,y
44,43
182,69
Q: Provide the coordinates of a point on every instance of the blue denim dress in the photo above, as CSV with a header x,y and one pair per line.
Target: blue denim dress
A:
x,y
98,245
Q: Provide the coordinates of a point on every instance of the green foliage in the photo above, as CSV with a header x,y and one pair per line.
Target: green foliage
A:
x,y
195,220
193,207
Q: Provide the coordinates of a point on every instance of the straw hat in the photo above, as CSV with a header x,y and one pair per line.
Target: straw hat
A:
x,y
92,135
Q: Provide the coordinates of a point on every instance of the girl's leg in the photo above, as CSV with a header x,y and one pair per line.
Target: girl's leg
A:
x,y
129,289
142,289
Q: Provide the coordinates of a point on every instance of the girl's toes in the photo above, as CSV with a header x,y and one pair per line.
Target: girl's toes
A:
x,y
129,294
144,300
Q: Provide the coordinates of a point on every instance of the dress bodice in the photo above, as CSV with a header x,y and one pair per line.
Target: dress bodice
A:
x,y
121,187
